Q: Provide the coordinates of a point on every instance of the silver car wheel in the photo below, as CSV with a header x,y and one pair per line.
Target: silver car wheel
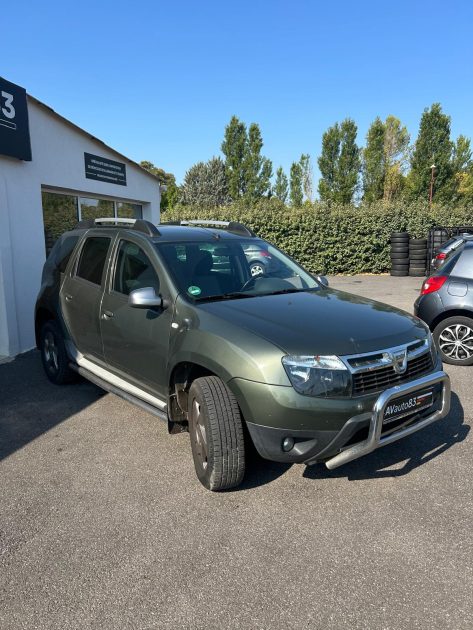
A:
x,y
256,270
456,342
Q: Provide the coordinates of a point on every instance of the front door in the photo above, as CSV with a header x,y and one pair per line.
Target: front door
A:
x,y
81,295
135,340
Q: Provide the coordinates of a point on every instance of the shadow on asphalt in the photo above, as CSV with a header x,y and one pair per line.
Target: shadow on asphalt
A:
x,y
30,405
409,453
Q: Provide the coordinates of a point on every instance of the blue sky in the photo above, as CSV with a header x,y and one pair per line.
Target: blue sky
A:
x,y
160,80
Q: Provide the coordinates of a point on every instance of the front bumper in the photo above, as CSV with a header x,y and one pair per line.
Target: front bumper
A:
x,y
360,435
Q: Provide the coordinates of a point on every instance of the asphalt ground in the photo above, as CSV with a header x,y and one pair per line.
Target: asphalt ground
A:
x,y
104,525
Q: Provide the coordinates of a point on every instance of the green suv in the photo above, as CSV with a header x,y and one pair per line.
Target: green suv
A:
x,y
172,319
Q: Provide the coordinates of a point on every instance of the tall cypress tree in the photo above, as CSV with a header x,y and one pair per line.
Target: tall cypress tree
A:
x,y
280,188
433,146
374,165
296,194
234,147
258,170
339,163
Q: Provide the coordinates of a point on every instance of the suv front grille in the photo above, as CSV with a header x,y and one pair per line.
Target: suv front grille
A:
x,y
384,377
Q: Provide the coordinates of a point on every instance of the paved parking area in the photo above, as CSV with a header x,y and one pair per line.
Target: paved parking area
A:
x,y
103,524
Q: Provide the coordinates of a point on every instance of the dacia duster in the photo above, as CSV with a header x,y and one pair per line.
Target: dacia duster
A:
x,y
172,319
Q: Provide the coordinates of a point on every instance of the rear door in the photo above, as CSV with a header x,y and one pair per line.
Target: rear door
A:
x,y
136,340
81,295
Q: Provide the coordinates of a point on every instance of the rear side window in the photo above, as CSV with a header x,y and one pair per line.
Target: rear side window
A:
x,y
92,259
66,247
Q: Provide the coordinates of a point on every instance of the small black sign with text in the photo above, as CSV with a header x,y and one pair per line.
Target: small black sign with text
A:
x,y
104,169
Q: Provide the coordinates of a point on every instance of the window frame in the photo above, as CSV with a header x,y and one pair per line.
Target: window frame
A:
x,y
75,267
110,283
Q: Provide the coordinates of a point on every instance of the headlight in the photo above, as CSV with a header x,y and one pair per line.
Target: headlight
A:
x,y
327,377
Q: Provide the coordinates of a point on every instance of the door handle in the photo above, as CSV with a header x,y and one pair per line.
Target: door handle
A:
x,y
107,315
68,297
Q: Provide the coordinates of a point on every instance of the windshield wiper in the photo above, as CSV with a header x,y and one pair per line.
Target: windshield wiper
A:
x,y
234,295
294,290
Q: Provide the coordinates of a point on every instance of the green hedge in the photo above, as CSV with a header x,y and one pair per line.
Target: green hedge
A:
x,y
333,239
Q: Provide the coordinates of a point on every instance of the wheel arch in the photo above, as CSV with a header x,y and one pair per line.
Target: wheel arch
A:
x,y
457,312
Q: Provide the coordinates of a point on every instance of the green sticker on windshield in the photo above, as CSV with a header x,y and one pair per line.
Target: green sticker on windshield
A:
x,y
193,290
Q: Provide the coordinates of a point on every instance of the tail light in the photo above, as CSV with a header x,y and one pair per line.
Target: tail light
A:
x,y
265,254
432,284
441,256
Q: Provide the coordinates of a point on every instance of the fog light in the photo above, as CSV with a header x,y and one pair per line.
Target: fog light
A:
x,y
287,444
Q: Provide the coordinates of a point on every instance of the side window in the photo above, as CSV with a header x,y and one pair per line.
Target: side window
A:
x,y
66,248
133,270
92,259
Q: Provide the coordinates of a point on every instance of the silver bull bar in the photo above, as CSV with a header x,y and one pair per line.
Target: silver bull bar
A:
x,y
375,439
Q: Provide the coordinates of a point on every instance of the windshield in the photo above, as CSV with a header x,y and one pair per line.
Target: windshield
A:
x,y
233,269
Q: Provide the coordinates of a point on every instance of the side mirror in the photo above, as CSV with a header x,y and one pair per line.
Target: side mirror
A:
x,y
323,280
146,298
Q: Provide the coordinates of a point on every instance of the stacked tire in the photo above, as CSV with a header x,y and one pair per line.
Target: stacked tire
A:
x,y
399,254
417,257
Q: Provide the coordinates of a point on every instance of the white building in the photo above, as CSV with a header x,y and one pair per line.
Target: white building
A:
x,y
52,175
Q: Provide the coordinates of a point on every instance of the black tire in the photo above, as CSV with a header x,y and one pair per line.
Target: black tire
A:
x,y
53,355
396,272
400,256
399,249
416,273
216,432
415,256
418,242
399,235
446,330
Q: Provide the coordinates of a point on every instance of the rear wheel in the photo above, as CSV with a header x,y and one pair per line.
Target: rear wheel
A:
x,y
216,433
256,269
54,356
454,339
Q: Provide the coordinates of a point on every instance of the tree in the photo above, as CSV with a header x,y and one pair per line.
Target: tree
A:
x,y
433,146
339,163
169,196
306,167
296,193
234,148
280,188
258,170
374,163
396,148
206,185
461,157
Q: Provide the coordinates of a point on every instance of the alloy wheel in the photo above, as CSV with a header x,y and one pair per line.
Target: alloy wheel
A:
x,y
456,342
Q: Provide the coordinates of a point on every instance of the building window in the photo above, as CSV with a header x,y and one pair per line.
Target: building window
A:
x,y
59,216
128,210
95,208
62,212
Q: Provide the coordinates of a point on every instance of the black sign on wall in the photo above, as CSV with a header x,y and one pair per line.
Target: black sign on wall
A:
x,y
105,170
14,128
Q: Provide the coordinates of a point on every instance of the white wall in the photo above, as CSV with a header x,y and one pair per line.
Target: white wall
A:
x,y
58,162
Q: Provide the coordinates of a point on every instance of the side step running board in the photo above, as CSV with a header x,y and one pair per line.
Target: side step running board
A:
x,y
100,382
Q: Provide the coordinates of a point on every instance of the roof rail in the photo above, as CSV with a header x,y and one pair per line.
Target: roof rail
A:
x,y
229,226
140,225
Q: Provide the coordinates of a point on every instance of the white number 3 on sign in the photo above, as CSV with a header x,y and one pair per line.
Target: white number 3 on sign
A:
x,y
8,110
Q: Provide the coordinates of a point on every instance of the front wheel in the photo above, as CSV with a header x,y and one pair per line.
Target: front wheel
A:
x,y
454,339
216,433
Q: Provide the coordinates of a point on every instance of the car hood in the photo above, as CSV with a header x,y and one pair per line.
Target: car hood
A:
x,y
320,322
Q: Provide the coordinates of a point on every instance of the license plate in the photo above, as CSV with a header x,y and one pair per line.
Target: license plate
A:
x,y
406,405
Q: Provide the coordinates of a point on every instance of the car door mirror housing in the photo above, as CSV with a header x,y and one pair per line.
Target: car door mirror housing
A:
x,y
146,298
323,280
